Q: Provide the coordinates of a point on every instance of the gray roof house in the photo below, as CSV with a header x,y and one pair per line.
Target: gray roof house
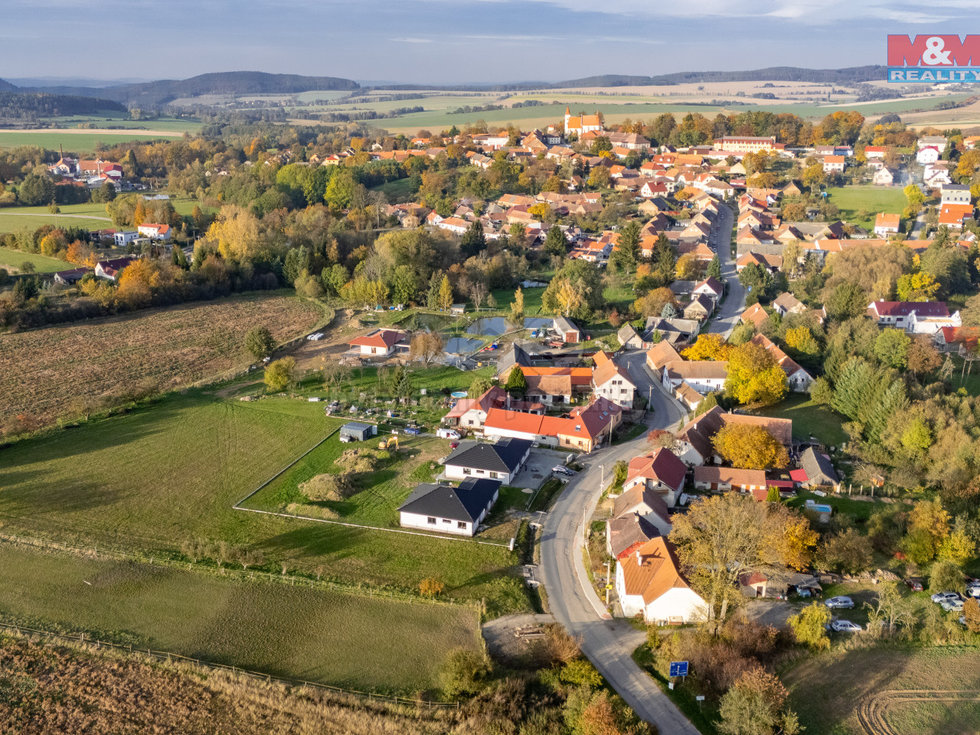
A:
x,y
499,461
818,467
447,509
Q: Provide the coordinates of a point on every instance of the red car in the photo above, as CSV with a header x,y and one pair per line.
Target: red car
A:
x,y
915,584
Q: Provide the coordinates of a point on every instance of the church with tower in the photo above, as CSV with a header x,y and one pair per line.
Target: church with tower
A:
x,y
581,124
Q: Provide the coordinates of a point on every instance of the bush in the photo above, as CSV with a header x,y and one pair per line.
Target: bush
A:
x,y
809,626
580,672
848,552
945,576
464,672
431,587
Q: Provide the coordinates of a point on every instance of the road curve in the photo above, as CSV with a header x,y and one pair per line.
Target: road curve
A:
x,y
571,598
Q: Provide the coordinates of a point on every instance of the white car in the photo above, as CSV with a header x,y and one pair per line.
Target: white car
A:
x,y
448,434
844,626
315,337
560,469
952,605
841,603
940,597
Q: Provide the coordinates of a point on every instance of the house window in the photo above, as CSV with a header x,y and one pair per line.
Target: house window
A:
x,y
431,521
494,475
461,524
467,471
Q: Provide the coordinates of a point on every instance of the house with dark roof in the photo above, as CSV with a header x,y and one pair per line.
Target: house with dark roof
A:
x,y
646,504
627,533
111,269
917,317
71,277
659,471
818,468
629,338
499,461
447,509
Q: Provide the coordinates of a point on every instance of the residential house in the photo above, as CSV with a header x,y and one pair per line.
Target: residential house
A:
x,y
720,479
787,303
754,315
469,414
954,215
154,231
917,317
629,338
704,376
626,533
927,154
660,472
818,469
639,502
122,239
770,262
661,355
955,194
110,269
447,509
951,339
710,287
611,381
501,460
887,224
834,164
798,379
699,309
71,277
378,343
649,583
938,142
693,442
675,330
884,176
584,429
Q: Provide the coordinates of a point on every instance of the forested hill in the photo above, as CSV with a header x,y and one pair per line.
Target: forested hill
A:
x,y
26,106
7,86
850,75
157,94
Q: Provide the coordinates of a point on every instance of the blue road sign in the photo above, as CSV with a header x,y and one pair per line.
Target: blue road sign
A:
x,y
678,668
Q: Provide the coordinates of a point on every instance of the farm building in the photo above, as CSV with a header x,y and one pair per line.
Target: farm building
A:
x,y
355,431
448,509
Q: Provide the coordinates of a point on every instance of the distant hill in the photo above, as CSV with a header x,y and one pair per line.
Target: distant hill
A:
x,y
850,75
7,86
25,106
157,94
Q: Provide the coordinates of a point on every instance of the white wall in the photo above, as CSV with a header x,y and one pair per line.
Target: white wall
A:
x,y
455,472
442,525
679,602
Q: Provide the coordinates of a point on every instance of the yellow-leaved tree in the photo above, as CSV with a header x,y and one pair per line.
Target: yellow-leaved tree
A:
x,y
754,376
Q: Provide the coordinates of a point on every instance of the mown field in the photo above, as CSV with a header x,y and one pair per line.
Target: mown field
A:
x,y
831,690
299,632
168,473
859,204
52,689
809,419
90,215
14,260
49,373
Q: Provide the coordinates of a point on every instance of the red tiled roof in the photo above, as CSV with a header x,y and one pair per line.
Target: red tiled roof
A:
x,y
381,338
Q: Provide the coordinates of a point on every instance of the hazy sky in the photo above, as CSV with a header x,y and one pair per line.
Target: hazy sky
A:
x,y
432,41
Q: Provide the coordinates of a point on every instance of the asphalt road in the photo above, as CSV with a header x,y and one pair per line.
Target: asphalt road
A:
x,y
607,643
733,304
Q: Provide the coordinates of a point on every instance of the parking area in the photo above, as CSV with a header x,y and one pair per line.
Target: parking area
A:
x,y
537,469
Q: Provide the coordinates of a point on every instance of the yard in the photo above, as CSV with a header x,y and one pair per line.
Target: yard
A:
x,y
809,419
188,458
46,374
859,204
15,260
294,631
914,690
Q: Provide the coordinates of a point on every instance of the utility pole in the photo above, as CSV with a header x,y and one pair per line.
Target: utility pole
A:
x,y
607,583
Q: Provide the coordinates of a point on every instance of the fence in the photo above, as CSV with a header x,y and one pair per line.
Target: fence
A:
x,y
169,657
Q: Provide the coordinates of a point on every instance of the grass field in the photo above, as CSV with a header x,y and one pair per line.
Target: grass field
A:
x,y
49,373
809,419
90,215
830,690
79,142
299,632
15,259
188,459
399,190
859,204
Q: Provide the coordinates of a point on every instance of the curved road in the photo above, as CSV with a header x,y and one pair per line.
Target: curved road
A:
x,y
571,598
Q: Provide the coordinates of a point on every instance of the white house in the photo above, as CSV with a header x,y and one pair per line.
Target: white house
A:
x,y
155,232
447,509
659,471
926,155
122,239
612,382
704,376
500,461
379,343
648,583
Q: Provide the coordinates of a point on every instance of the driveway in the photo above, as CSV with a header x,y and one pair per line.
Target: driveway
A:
x,y
571,598
537,469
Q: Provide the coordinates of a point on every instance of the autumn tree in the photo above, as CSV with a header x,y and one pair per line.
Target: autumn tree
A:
x,y
724,536
279,374
425,346
919,286
517,308
653,302
971,615
754,376
259,342
575,291
927,528
922,357
687,267
809,626
756,705
445,293
848,552
749,447
802,342
708,347
235,234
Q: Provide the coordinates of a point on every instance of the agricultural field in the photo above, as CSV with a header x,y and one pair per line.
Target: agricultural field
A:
x,y
299,632
859,204
80,140
14,260
906,690
189,458
46,374
80,688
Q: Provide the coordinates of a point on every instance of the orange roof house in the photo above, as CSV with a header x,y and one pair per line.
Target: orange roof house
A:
x,y
379,343
649,583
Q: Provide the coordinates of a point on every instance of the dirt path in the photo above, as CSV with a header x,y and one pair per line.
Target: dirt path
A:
x,y
873,710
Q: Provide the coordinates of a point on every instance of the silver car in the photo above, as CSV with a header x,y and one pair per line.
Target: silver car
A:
x,y
844,626
840,603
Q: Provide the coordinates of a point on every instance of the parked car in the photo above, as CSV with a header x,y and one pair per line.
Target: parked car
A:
x,y
560,469
453,445
844,626
915,584
448,434
840,603
315,337
940,597
413,430
952,605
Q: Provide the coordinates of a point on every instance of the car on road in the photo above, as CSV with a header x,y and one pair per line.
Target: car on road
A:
x,y
560,469
952,605
844,626
413,430
940,597
840,603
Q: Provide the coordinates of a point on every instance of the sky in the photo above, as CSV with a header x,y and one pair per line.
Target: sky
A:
x,y
453,41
